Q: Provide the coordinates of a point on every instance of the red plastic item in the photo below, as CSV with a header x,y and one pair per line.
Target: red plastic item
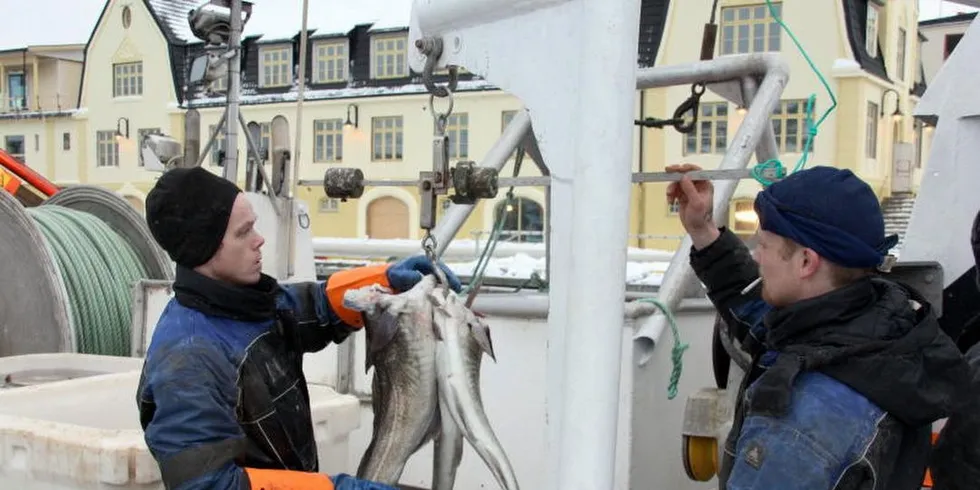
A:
x,y
25,173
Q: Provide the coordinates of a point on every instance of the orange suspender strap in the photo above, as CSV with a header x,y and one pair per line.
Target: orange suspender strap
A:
x,y
927,481
340,282
287,480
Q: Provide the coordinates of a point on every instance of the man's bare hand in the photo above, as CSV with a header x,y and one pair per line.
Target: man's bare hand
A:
x,y
696,200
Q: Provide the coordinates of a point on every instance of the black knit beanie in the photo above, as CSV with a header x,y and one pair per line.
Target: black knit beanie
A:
x,y
187,212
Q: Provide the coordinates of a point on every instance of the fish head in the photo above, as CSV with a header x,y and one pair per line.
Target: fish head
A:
x,y
382,310
480,330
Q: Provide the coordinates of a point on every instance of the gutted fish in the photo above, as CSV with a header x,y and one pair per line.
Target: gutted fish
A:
x,y
463,339
401,347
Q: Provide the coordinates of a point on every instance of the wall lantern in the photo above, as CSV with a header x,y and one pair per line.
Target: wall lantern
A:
x,y
351,122
897,115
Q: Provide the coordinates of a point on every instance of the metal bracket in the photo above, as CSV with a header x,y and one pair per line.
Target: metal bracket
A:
x,y
483,182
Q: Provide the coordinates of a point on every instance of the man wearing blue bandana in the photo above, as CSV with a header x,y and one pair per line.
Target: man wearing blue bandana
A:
x,y
849,369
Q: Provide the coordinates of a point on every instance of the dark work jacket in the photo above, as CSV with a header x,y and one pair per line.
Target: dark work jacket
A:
x,y
956,458
222,386
843,387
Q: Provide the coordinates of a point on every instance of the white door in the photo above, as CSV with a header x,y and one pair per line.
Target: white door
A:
x,y
902,166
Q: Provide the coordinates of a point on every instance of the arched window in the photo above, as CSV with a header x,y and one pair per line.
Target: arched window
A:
x,y
523,220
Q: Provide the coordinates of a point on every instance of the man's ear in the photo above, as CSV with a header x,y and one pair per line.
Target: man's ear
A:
x,y
810,263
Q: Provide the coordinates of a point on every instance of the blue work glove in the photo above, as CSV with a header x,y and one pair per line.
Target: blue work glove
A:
x,y
406,273
344,481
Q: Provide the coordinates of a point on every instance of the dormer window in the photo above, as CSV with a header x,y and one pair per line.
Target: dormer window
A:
x,y
277,66
388,55
871,31
330,61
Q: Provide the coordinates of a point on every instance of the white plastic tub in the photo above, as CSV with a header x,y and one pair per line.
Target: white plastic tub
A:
x,y
33,369
85,434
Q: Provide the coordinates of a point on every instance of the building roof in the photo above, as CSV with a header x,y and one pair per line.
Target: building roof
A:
x,y
856,18
276,20
952,19
35,25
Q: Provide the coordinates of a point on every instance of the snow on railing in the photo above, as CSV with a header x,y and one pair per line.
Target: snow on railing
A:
x,y
510,260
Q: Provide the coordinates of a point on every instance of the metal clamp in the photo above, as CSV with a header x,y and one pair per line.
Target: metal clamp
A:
x,y
472,183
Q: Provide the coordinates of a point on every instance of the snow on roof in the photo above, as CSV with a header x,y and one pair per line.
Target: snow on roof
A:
x,y
48,22
275,20
173,14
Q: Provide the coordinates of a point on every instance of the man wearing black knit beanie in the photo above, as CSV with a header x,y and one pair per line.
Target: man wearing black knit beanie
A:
x,y
222,398
849,369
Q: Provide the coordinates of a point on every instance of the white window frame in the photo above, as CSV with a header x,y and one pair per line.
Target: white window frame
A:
x,y
279,74
127,79
22,156
711,115
328,140
387,138
396,59
331,55
871,131
787,116
752,25
328,205
871,30
106,149
458,131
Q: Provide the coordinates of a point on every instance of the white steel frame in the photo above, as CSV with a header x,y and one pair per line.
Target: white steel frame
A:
x,y
594,43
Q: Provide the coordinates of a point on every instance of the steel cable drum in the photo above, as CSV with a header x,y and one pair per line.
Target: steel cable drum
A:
x,y
123,219
34,312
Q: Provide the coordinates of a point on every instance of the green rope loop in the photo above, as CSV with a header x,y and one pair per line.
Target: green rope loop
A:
x,y
759,170
98,268
676,352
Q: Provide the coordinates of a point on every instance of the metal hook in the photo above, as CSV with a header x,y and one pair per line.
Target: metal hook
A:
x,y
432,49
692,104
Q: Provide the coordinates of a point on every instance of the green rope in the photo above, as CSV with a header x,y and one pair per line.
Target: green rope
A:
x,y
677,352
98,268
481,264
758,171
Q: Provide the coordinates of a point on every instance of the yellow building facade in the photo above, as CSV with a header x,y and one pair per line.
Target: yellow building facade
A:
x,y
134,82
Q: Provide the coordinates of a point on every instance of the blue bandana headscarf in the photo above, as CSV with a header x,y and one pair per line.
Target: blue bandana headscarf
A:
x,y
831,211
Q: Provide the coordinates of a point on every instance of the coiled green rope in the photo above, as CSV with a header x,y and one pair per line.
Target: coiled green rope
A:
x,y
98,268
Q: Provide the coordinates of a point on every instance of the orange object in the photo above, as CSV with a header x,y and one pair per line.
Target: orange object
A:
x,y
9,182
927,481
340,282
287,480
25,173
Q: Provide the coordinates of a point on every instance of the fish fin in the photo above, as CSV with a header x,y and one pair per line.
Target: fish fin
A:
x,y
383,332
481,333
